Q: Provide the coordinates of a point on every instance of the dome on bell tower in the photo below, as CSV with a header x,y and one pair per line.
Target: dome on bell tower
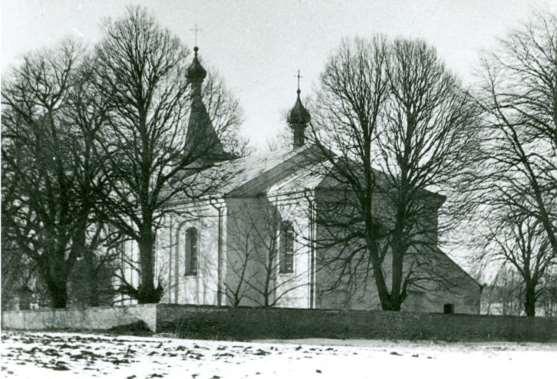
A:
x,y
298,118
195,71
298,114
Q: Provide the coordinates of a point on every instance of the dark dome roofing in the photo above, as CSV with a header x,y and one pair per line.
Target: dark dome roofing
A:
x,y
298,114
195,70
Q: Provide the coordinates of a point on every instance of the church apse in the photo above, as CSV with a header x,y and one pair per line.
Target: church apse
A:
x,y
344,270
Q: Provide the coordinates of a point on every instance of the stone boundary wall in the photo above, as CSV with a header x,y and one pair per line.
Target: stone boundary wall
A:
x,y
92,318
253,323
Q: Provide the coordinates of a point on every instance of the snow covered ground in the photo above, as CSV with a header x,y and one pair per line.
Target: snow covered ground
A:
x,y
71,355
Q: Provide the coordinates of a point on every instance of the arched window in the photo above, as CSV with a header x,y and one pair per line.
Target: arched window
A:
x,y
286,248
192,241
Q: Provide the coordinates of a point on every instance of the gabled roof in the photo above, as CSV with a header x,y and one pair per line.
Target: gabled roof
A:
x,y
441,256
283,172
320,175
253,175
308,177
256,174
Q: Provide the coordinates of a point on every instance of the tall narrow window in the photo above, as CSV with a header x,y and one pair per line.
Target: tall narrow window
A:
x,y
286,248
191,251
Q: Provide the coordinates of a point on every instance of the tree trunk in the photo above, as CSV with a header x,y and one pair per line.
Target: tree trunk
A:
x,y
398,251
54,273
382,290
394,305
385,297
397,266
58,296
57,292
530,301
147,293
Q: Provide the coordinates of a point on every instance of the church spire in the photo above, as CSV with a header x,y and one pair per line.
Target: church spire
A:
x,y
202,140
298,118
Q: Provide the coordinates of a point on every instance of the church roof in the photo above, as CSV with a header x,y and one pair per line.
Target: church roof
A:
x,y
253,175
305,178
201,138
283,171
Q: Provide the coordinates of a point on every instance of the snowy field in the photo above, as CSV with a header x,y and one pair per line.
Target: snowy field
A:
x,y
71,355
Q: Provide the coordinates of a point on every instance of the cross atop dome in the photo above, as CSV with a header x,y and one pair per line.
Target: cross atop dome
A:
x,y
195,31
196,73
298,76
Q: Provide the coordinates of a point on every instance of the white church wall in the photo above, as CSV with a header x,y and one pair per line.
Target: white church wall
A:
x,y
129,260
164,260
202,287
253,276
249,220
295,208
250,238
187,288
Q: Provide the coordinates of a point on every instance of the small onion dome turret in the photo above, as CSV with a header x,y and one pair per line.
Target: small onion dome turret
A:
x,y
196,72
298,114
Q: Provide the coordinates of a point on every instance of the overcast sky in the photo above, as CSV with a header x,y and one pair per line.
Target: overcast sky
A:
x,y
257,46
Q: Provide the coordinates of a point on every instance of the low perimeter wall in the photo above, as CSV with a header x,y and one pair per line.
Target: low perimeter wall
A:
x,y
93,318
253,323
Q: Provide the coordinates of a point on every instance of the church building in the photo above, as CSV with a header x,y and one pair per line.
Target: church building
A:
x,y
254,239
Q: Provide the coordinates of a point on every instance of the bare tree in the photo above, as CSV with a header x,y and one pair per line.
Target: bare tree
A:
x,y
548,298
502,296
517,173
149,155
521,243
225,114
352,94
507,291
427,140
393,124
50,175
512,189
18,269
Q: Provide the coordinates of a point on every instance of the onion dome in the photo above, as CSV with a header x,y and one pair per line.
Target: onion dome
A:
x,y
298,114
195,71
297,119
